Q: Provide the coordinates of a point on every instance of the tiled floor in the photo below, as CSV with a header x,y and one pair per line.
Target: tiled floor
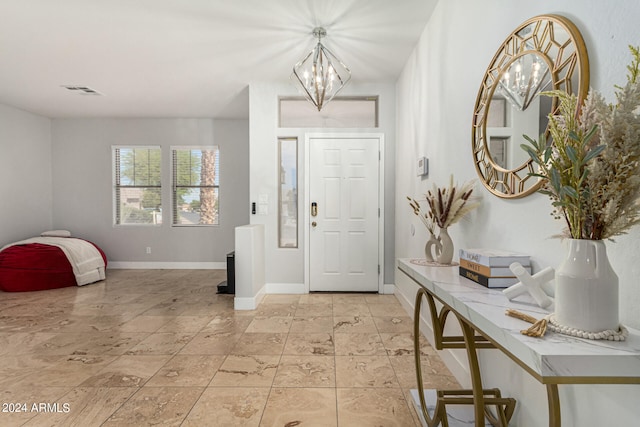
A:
x,y
159,347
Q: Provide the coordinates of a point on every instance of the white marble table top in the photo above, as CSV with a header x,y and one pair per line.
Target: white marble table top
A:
x,y
554,358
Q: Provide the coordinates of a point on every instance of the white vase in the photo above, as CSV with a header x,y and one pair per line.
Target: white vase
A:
x,y
431,248
446,253
586,288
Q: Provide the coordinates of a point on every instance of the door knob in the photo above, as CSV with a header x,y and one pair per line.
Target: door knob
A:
x,y
313,224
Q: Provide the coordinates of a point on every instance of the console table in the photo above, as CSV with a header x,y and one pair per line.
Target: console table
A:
x,y
552,360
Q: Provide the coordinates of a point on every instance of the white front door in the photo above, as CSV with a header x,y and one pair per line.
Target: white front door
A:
x,y
344,214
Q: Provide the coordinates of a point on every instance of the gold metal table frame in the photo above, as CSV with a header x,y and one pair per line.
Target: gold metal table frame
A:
x,y
482,399
488,404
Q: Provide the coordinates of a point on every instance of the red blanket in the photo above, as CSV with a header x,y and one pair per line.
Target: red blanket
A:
x,y
36,267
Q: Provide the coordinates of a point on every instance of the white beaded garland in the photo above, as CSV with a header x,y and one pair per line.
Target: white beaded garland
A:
x,y
609,334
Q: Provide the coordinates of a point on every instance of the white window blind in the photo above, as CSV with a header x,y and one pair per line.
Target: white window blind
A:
x,y
195,185
137,185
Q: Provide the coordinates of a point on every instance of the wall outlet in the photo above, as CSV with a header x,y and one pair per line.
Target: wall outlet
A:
x,y
148,250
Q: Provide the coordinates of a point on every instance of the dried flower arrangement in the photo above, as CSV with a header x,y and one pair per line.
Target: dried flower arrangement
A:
x,y
450,204
447,205
433,241
592,169
424,217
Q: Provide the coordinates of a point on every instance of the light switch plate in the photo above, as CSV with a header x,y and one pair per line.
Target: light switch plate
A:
x,y
422,166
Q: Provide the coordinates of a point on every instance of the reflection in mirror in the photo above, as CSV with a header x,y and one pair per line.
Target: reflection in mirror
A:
x,y
545,53
524,79
498,146
506,123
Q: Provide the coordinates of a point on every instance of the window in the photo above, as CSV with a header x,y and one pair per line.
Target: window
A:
x,y
137,189
341,112
288,193
196,181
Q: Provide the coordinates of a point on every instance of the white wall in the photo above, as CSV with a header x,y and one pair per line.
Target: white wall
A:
x,y
435,99
83,198
25,174
286,266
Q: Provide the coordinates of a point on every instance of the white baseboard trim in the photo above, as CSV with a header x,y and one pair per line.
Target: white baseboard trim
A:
x,y
459,369
285,288
388,289
161,265
249,303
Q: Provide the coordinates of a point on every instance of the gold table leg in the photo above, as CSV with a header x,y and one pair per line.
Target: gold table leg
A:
x,y
474,369
554,405
481,399
439,414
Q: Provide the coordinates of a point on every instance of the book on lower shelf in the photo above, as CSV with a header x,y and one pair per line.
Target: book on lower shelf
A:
x,y
489,282
485,270
494,257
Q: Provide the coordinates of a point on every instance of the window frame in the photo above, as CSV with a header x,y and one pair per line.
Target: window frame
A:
x,y
174,186
115,186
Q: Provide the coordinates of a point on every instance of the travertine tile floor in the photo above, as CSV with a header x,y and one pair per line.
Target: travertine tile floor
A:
x,y
159,347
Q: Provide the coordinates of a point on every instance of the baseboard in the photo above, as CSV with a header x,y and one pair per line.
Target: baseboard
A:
x,y
249,303
285,288
161,265
388,289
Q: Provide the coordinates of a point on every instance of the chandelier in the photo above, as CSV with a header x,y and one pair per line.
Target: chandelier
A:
x,y
320,75
523,80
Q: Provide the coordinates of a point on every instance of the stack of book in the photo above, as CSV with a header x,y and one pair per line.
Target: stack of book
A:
x,y
490,267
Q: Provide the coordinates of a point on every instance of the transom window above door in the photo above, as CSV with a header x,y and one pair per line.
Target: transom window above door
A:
x,y
342,112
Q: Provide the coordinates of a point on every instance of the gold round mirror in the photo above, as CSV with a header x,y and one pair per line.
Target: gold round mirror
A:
x,y
544,53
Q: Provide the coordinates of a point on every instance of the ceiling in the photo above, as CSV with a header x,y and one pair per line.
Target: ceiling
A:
x,y
187,58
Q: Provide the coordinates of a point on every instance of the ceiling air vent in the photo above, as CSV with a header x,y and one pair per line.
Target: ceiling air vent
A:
x,y
83,90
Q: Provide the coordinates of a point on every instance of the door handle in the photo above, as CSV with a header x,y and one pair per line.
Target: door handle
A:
x,y
314,209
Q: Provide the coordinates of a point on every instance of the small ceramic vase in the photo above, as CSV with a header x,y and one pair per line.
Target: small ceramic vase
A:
x,y
432,247
446,255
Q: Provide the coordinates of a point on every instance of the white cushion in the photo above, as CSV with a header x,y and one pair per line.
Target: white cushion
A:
x,y
56,233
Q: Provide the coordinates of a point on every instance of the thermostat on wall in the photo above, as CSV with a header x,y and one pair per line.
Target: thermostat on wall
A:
x,y
423,166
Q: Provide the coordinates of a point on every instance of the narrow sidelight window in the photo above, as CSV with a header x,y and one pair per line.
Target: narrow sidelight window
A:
x,y
288,193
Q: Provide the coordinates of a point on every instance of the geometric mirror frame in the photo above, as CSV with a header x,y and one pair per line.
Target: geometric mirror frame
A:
x,y
544,53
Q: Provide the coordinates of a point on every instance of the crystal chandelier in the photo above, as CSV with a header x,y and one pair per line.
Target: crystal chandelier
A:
x,y
523,80
320,74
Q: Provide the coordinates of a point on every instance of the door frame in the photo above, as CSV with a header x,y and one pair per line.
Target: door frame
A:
x,y
307,201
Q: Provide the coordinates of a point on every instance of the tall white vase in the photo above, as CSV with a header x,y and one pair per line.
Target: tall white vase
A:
x,y
446,253
587,288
